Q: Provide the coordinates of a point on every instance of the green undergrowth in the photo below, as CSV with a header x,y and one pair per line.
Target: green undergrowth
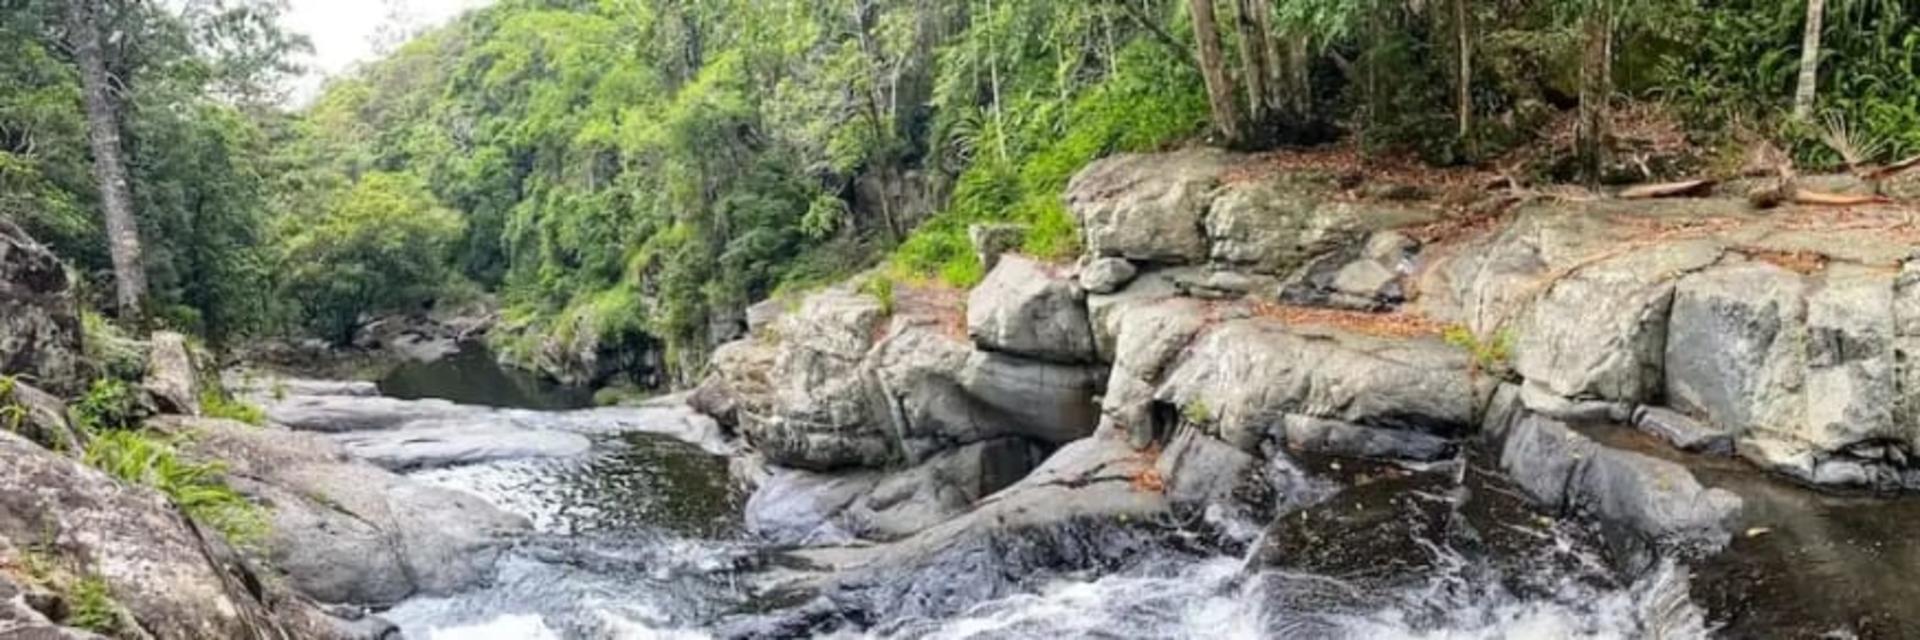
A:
x,y
1492,354
1019,171
153,460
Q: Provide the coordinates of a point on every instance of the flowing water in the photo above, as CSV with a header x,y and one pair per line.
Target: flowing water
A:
x,y
642,538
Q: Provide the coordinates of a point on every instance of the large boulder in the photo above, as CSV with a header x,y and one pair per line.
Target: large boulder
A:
x,y
736,385
1243,376
1147,208
1659,499
1273,226
39,322
796,507
1149,335
172,375
161,571
342,531
1600,332
821,415
937,393
1736,348
39,417
1030,309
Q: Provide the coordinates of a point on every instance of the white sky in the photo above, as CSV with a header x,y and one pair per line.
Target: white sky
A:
x,y
347,31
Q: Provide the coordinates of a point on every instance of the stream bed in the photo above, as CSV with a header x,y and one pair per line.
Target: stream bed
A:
x,y
642,537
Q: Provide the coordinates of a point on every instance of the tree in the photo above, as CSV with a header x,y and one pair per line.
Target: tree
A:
x,y
109,167
383,247
1596,87
1809,60
1463,78
1221,93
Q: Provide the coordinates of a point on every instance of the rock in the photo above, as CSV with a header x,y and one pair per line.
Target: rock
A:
x,y
39,322
443,443
1655,498
267,387
1850,385
1197,470
164,573
1333,437
821,415
1906,315
1147,208
1242,375
937,394
338,414
42,418
1219,285
990,241
1537,399
1149,335
762,315
1107,275
1684,433
736,384
1274,226
172,376
799,507
1735,348
1364,276
945,486
346,532
1599,333
1025,308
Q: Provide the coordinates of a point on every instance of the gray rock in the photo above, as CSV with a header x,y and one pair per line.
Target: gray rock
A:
x,y
737,384
762,315
1561,468
821,415
1147,208
42,418
990,241
1150,334
1599,332
943,487
174,582
1104,311
1535,398
267,387
1333,437
1275,226
1244,374
1906,315
337,414
1850,385
442,443
39,322
1028,309
1684,433
1736,348
799,507
937,394
172,376
348,532
1197,470
1107,275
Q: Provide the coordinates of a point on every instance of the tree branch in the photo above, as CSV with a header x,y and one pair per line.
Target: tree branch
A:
x,y
1153,28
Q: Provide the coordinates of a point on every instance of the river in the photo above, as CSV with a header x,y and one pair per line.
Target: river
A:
x,y
642,537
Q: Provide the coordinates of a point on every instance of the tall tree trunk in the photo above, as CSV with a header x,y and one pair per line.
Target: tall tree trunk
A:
x,y
1213,67
1277,88
1253,60
1596,71
1809,60
109,168
1463,32
1300,77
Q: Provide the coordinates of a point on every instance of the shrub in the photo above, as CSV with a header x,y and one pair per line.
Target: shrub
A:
x,y
382,248
881,288
107,345
109,405
1492,355
217,403
200,489
93,607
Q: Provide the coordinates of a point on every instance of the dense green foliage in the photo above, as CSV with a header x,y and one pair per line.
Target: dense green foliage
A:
x,y
628,175
382,245
145,458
